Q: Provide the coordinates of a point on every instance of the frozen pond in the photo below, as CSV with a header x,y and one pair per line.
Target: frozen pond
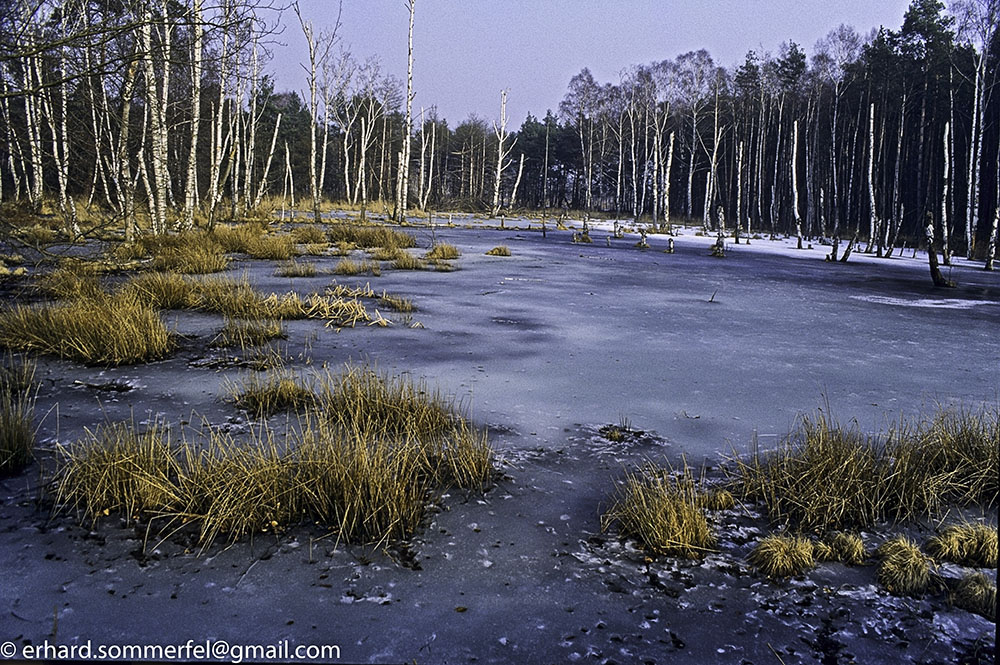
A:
x,y
543,346
704,351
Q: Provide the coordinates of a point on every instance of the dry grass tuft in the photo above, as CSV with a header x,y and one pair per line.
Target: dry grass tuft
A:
x,y
370,236
826,477
279,247
309,235
972,545
71,279
976,593
241,333
717,499
361,398
340,291
365,463
661,510
279,389
351,267
192,259
387,253
407,261
846,548
105,330
442,252
17,411
820,477
499,250
163,290
296,269
903,569
954,457
237,239
117,469
397,303
441,265
238,299
238,488
782,556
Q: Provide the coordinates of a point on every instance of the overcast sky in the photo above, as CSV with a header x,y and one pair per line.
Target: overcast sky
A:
x,y
466,51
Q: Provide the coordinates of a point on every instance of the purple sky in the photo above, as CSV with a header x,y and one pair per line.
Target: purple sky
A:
x,y
465,51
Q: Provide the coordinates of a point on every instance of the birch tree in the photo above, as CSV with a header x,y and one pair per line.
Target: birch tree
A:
x,y
503,150
404,160
977,24
319,47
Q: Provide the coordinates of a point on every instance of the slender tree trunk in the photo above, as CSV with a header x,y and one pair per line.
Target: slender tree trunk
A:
x,y
191,182
975,159
991,246
517,182
404,166
545,170
501,133
795,181
666,184
944,195
872,214
33,121
932,260
262,187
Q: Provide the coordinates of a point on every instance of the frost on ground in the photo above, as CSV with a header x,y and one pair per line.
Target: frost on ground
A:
x,y
547,347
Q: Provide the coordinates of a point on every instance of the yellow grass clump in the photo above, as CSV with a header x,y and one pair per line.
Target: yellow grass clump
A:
x,y
976,593
903,569
296,269
442,252
406,261
782,556
105,330
366,472
370,236
351,267
242,333
846,548
827,477
499,250
118,469
966,544
662,512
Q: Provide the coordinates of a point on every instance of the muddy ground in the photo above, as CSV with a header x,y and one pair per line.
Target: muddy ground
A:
x,y
543,347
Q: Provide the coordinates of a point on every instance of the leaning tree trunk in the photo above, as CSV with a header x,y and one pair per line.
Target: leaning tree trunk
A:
x,y
932,260
262,187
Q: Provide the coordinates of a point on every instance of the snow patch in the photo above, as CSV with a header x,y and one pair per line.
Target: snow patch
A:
x,y
939,303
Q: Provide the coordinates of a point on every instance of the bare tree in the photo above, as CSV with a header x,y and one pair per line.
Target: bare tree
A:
x,y
500,129
977,23
319,53
404,176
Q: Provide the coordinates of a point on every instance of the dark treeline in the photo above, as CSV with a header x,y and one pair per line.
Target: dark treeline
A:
x,y
161,114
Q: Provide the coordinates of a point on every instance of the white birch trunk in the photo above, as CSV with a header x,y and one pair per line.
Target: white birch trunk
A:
x,y
404,167
501,132
795,182
872,215
666,183
517,182
262,187
191,182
